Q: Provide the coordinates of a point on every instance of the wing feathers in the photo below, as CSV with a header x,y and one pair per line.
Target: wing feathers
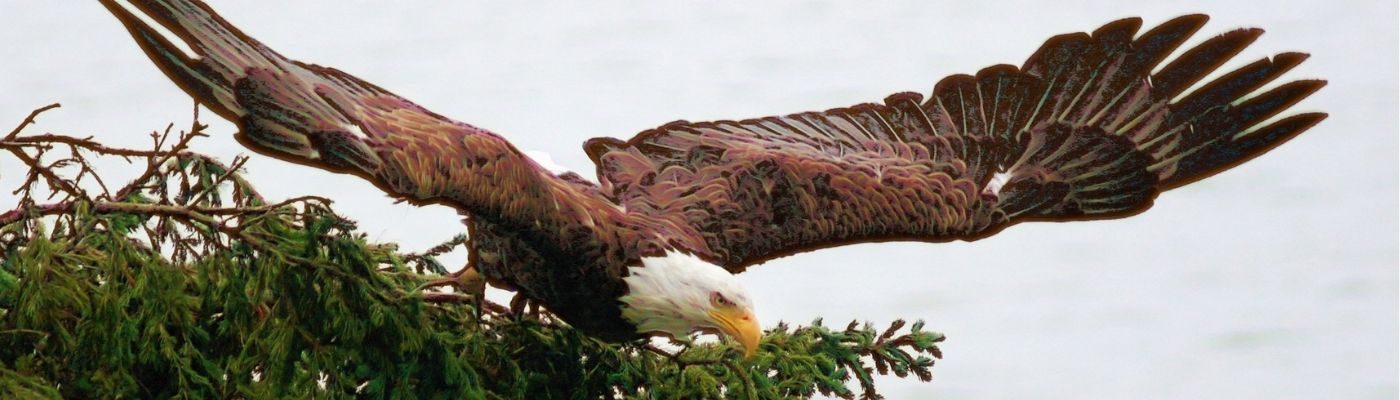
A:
x,y
1156,44
1235,85
326,118
1086,128
1219,155
1254,110
222,52
1103,82
1198,62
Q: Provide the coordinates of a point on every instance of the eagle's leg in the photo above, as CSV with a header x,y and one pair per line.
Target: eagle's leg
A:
x,y
521,306
466,281
517,305
469,281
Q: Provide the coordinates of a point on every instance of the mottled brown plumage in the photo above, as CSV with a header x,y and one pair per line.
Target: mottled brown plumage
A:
x,y
1084,129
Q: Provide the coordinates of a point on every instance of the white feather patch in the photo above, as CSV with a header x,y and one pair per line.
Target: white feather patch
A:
x,y
169,36
994,185
354,130
544,160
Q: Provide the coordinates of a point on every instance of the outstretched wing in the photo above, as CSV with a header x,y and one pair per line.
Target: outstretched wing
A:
x,y
326,118
1084,129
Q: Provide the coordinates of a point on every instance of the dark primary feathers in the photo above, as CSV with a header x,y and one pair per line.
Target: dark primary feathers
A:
x,y
1084,129
1090,126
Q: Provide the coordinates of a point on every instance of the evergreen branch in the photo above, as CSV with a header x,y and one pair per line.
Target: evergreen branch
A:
x,y
426,260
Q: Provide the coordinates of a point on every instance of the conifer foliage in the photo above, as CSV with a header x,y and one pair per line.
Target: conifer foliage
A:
x,y
186,282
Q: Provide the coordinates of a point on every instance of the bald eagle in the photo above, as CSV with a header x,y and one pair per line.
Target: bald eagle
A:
x,y
1091,126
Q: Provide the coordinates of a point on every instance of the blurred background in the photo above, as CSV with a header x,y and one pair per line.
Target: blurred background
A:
x,y
1277,279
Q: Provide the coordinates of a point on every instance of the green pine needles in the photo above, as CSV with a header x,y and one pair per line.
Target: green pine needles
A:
x,y
187,283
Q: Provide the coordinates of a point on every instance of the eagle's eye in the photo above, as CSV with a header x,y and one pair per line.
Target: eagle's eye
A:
x,y
719,299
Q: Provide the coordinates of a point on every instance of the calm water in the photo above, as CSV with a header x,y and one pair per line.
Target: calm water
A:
x,y
1274,280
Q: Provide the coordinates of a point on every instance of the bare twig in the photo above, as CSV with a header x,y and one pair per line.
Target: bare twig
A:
x,y
37,169
56,183
84,143
155,209
458,298
153,165
29,120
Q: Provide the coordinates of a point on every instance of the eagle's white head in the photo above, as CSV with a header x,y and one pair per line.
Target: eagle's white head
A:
x,y
678,293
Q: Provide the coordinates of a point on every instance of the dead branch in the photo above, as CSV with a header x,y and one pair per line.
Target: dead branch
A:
x,y
29,120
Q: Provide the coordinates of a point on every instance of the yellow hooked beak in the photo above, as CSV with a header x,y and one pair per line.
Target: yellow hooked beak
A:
x,y
739,324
